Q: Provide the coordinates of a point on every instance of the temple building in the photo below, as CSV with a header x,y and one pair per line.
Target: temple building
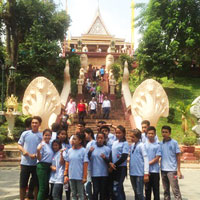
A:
x,y
97,43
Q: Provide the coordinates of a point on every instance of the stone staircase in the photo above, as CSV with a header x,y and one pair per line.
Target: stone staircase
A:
x,y
116,118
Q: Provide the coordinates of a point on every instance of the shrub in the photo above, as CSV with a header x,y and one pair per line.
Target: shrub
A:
x,y
190,140
171,117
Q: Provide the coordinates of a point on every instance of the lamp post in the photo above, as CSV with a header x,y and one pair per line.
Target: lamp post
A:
x,y
12,70
2,90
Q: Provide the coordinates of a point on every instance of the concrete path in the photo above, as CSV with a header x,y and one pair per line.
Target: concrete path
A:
x,y
9,178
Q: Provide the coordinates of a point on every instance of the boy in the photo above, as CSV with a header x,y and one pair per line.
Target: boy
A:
x,y
79,129
27,144
154,154
170,164
145,125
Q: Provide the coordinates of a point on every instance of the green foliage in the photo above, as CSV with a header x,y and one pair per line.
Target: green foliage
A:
x,y
74,88
2,139
180,89
116,70
75,65
171,117
39,28
190,140
125,57
170,37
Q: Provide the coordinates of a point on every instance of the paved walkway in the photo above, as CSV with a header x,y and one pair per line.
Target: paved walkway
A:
x,y
9,178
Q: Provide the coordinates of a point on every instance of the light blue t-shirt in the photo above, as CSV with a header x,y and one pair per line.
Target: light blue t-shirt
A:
x,y
144,138
110,140
118,148
139,164
102,71
169,149
29,141
76,159
88,146
58,175
46,153
98,165
66,146
153,150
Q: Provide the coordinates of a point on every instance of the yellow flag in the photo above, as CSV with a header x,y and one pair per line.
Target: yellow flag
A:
x,y
68,39
132,24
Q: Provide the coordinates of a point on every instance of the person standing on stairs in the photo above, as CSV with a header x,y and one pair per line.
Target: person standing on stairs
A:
x,y
71,109
93,108
102,72
100,100
106,106
81,111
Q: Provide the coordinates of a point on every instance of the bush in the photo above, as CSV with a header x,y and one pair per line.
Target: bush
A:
x,y
17,133
2,139
116,70
190,140
171,117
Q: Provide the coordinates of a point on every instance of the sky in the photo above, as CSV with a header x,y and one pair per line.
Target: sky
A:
x,y
116,15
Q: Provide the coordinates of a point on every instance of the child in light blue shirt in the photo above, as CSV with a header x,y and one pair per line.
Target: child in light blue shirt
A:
x,y
44,156
57,171
89,135
99,158
76,166
145,125
27,144
63,138
120,150
139,165
154,154
170,164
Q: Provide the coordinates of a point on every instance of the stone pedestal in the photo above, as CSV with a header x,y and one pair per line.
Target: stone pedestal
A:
x,y
10,117
188,153
112,84
80,83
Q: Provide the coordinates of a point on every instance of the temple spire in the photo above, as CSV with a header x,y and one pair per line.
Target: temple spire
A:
x,y
98,6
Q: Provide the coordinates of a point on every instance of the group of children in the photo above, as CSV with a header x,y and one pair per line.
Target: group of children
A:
x,y
94,166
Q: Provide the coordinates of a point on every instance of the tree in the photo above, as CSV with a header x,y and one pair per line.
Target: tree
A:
x,y
170,41
39,29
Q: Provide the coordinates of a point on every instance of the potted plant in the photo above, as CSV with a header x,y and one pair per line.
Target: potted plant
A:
x,y
189,139
188,142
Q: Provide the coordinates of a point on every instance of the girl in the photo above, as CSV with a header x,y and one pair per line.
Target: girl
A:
x,y
63,138
81,111
57,172
89,135
139,165
44,156
99,157
76,167
120,150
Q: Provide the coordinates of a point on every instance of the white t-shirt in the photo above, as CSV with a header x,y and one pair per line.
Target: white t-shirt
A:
x,y
106,104
93,105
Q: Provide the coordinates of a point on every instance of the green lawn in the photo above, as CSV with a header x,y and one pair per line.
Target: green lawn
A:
x,y
182,89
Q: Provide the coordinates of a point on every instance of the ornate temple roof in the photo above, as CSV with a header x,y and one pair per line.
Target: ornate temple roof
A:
x,y
98,27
